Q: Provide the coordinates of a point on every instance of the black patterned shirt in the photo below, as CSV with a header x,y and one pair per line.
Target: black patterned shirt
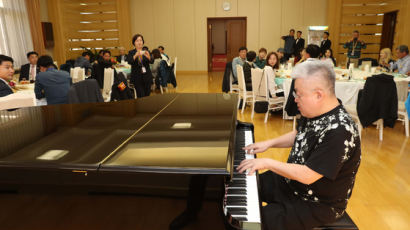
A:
x,y
329,145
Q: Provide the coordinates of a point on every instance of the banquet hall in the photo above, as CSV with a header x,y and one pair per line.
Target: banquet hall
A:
x,y
204,114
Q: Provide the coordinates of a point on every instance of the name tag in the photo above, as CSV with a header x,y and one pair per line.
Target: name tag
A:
x,y
143,70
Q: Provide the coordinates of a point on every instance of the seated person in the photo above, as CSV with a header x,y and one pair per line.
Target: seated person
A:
x,y
51,83
271,66
313,187
6,74
385,59
123,55
29,71
156,54
402,65
247,66
260,59
312,52
84,62
238,61
281,53
328,57
164,56
98,69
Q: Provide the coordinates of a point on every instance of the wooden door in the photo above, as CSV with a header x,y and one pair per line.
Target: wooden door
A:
x,y
236,37
389,25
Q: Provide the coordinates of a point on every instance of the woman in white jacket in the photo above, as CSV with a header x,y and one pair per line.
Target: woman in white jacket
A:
x,y
272,65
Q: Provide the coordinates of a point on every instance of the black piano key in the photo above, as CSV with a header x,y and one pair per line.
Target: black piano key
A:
x,y
239,175
241,218
237,203
238,211
237,183
237,191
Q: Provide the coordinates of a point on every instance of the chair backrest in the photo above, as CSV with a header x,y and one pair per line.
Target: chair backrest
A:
x,y
108,82
241,78
367,63
77,74
402,90
259,84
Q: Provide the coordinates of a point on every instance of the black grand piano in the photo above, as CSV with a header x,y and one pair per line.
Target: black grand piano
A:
x,y
153,145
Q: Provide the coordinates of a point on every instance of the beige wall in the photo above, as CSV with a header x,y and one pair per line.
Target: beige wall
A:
x,y
180,25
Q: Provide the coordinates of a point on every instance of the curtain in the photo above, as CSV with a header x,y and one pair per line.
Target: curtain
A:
x,y
33,10
15,35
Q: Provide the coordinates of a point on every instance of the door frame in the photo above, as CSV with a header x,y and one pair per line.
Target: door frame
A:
x,y
209,34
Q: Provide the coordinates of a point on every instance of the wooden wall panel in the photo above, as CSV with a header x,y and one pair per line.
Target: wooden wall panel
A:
x,y
366,16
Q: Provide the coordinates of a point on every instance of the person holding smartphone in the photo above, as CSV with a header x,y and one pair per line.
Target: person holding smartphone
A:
x,y
139,60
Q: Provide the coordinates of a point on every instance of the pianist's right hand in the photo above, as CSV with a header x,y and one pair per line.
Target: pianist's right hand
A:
x,y
258,147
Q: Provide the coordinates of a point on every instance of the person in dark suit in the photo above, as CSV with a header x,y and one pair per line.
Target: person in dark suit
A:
x,y
52,83
299,44
247,69
30,70
325,44
98,69
122,56
139,60
6,74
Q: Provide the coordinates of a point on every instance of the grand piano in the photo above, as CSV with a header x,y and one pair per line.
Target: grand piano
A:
x,y
153,145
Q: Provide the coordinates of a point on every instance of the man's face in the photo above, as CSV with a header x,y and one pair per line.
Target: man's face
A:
x,y
107,57
280,55
262,55
6,70
305,97
122,52
292,33
298,34
325,36
161,50
355,35
87,57
242,54
33,59
400,54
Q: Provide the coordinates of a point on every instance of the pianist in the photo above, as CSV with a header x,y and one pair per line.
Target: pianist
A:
x,y
313,187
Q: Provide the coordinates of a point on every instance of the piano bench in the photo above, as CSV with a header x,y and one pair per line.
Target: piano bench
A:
x,y
344,223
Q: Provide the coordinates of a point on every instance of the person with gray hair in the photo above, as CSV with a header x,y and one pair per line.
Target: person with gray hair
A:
x,y
313,187
402,65
123,55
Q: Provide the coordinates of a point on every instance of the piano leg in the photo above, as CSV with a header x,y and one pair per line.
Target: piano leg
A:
x,y
196,193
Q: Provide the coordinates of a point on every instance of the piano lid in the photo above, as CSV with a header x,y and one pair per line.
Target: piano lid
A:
x,y
162,131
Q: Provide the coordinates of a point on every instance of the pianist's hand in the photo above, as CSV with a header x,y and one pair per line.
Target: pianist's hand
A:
x,y
253,164
258,147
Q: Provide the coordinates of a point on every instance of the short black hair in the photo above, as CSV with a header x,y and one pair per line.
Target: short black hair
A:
x,y
326,33
292,30
136,37
161,47
313,50
5,58
106,51
355,31
156,54
31,53
243,48
145,48
45,61
101,51
85,54
299,31
251,55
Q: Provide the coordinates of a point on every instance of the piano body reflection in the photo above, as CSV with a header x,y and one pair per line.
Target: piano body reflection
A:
x,y
149,146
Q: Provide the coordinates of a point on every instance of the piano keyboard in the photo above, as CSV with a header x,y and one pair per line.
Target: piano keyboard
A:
x,y
241,203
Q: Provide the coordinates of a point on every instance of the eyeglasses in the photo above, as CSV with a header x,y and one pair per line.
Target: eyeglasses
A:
x,y
295,95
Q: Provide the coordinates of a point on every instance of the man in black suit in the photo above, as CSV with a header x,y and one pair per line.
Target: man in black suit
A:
x,y
299,43
325,44
123,56
6,74
51,83
29,71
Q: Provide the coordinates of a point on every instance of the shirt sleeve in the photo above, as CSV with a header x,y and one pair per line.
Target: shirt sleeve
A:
x,y
38,89
332,151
